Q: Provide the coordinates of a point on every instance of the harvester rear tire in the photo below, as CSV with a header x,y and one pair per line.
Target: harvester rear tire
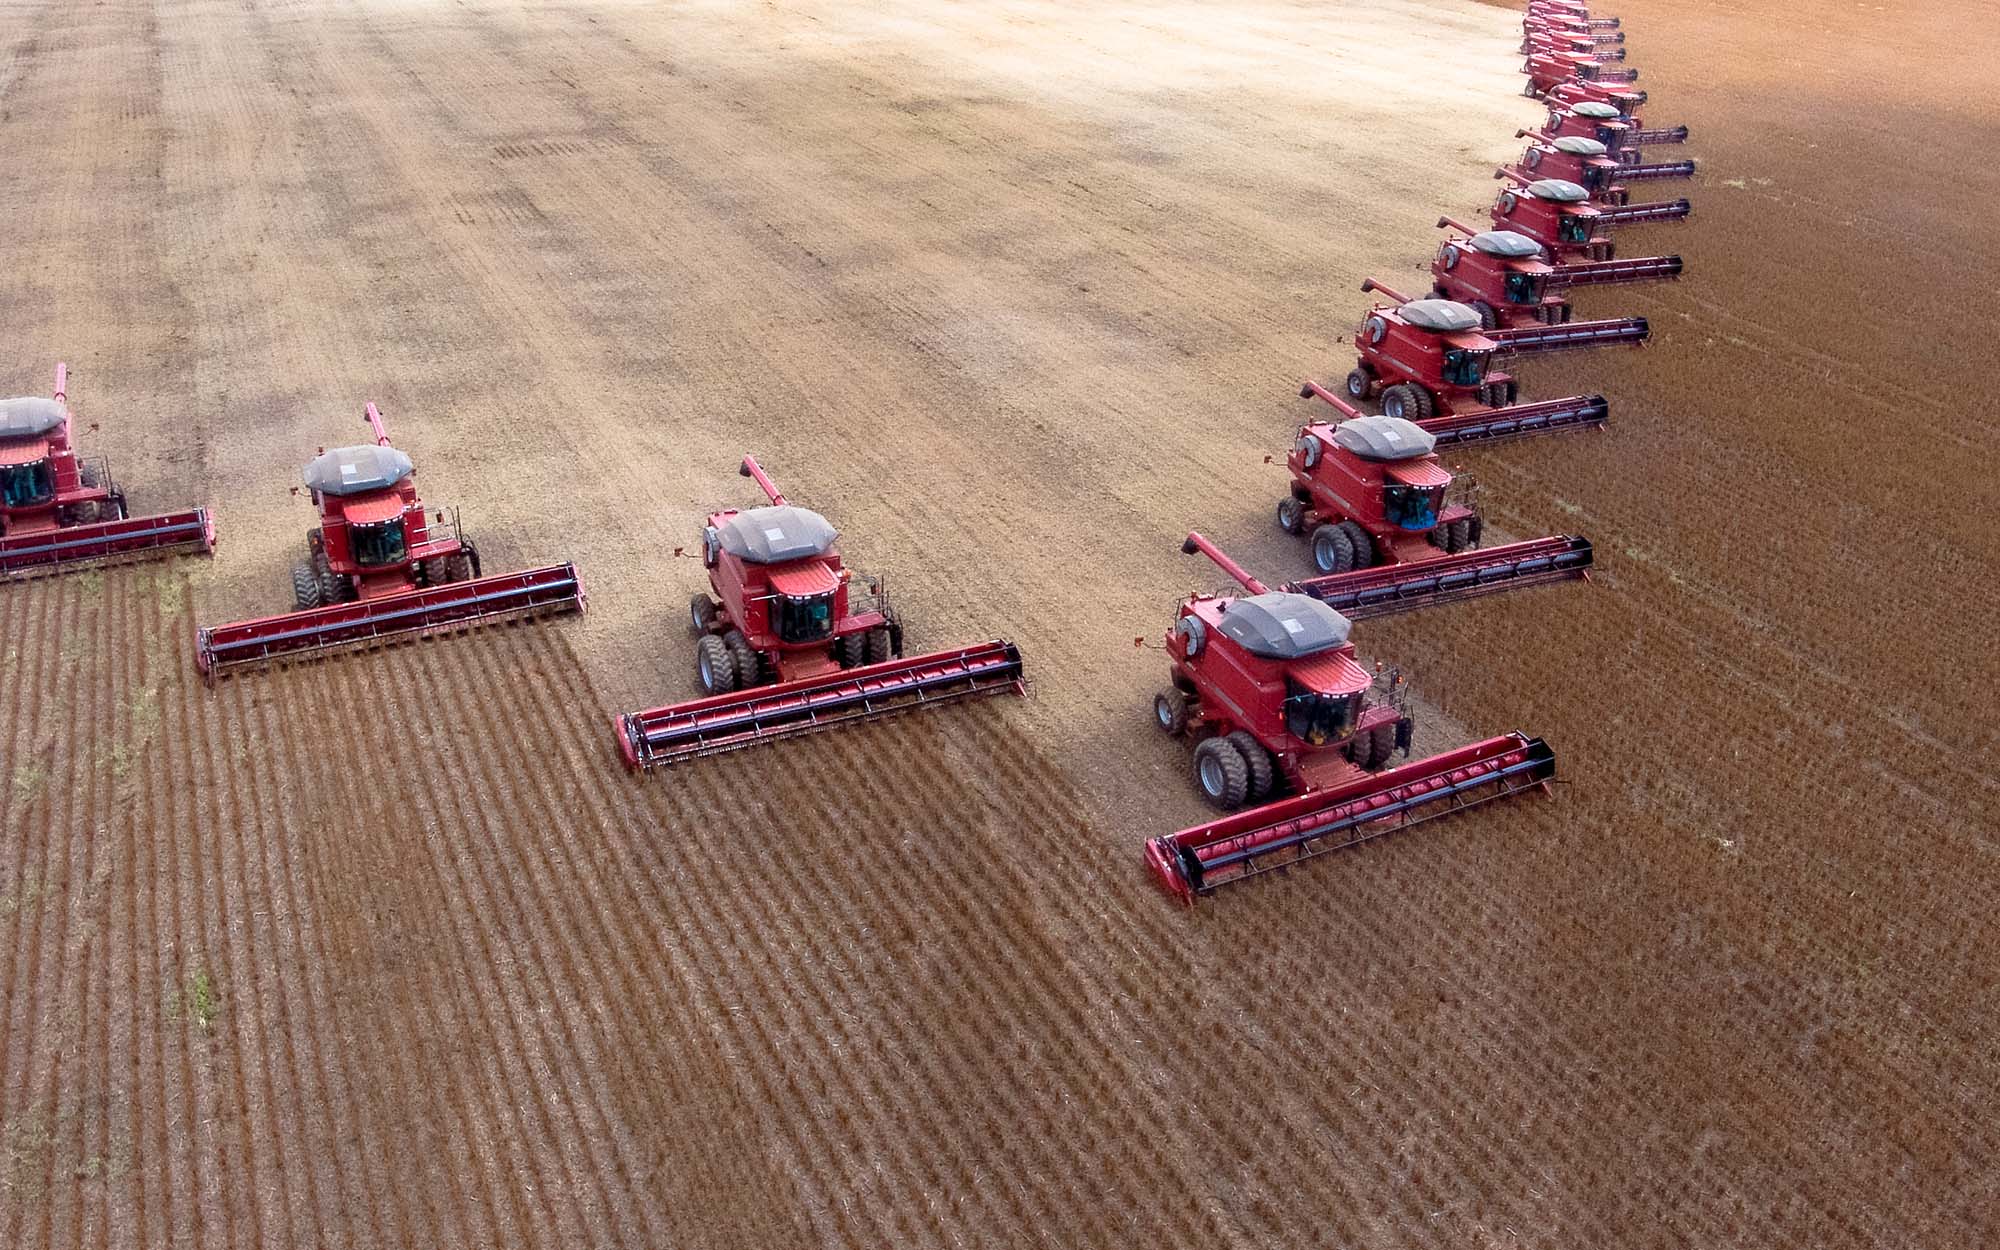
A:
x,y
1359,541
880,645
1221,774
1359,384
305,588
1258,760
749,665
1333,550
701,615
1291,516
1170,712
714,665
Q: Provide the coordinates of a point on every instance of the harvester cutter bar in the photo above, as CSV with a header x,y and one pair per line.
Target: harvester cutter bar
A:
x,y
366,623
1393,588
1570,336
1656,172
1491,425
729,722
1644,137
1607,272
1607,74
122,541
1633,214
1201,859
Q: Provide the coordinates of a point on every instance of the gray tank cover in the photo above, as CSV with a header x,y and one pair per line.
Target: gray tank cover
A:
x,y
357,470
1558,190
1443,315
1283,626
1594,108
1577,145
1505,243
776,534
29,417
1384,438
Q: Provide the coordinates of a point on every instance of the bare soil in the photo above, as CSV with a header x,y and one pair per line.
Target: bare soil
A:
x,y
388,951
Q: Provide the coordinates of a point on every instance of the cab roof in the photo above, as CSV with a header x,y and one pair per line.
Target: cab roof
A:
x,y
773,535
1559,190
804,580
1506,243
1333,673
1577,145
23,451
1442,315
1384,438
1281,625
357,470
1419,473
29,416
372,509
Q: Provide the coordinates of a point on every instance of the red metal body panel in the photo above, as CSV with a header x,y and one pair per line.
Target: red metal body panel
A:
x,y
1391,588
1201,859
728,722
367,623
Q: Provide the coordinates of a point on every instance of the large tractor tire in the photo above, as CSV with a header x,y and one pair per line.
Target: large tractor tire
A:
x,y
305,588
1489,319
1221,773
1170,711
749,665
850,650
715,665
880,645
433,571
1360,542
1359,385
460,567
1262,770
1291,515
702,612
1333,550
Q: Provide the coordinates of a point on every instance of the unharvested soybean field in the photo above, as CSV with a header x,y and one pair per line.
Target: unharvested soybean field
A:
x,y
389,951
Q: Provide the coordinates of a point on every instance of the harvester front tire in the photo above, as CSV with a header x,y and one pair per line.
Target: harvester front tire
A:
x,y
850,650
1259,762
715,665
458,567
1360,543
1361,749
1170,712
1291,516
1460,535
749,665
880,645
1221,773
305,588
701,615
435,573
1385,743
1397,401
1488,319
1333,550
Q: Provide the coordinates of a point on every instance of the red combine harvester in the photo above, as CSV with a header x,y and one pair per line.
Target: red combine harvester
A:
x,y
786,646
1575,9
1544,27
1590,165
1627,100
1392,529
381,567
1504,277
1559,216
1431,361
60,511
1548,69
1268,687
1623,137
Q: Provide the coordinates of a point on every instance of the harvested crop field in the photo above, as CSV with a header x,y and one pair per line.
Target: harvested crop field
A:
x,y
389,951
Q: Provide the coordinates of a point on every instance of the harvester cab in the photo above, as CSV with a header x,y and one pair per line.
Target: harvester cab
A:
x,y
1556,214
381,566
1501,275
1371,490
1267,687
791,642
1434,357
60,511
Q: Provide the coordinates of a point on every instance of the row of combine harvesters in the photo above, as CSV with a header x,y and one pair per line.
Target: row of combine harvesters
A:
x,y
1265,685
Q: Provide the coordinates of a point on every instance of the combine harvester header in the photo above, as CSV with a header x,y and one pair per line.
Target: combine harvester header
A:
x,y
60,512
788,646
1268,688
381,567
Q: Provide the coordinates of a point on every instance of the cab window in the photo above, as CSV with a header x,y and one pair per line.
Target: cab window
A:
x,y
25,485
1412,507
1463,367
1318,719
375,545
803,620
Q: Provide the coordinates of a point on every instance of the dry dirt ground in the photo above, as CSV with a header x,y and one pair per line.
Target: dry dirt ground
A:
x,y
388,952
